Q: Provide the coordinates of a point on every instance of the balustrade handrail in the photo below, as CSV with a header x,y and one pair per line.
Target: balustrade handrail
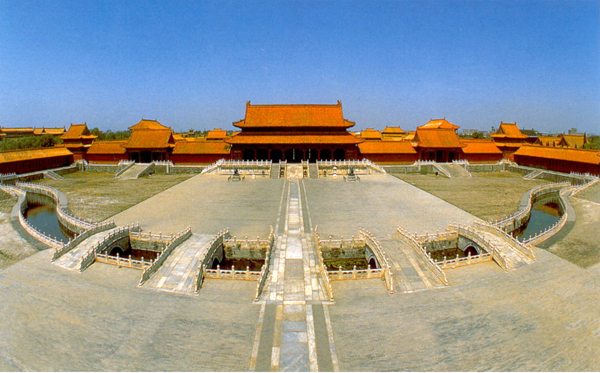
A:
x,y
113,236
482,242
322,269
548,232
420,250
533,193
264,271
377,250
212,248
177,240
520,246
82,237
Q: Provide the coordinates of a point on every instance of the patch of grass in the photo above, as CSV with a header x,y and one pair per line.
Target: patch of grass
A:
x,y
96,196
487,195
6,202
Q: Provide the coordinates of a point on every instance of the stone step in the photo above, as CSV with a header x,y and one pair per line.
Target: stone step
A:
x,y
72,259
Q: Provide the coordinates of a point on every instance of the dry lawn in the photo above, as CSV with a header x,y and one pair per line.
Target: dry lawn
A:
x,y
487,195
96,196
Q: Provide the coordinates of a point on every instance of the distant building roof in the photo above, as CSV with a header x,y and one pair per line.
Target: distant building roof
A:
x,y
548,140
77,132
150,139
573,141
293,139
17,130
437,138
386,147
216,134
439,124
293,116
474,146
107,147
32,154
393,131
564,154
370,134
202,147
509,130
148,124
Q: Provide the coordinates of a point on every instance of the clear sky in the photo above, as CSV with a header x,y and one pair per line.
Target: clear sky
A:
x,y
194,64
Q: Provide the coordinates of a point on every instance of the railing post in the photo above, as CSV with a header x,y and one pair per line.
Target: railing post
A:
x,y
118,260
233,272
368,271
354,272
247,272
340,274
218,271
130,261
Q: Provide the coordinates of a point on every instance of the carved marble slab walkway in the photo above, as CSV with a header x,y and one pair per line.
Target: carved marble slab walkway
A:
x,y
296,335
180,269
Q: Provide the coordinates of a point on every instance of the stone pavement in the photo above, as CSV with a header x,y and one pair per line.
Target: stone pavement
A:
x,y
543,316
72,259
180,270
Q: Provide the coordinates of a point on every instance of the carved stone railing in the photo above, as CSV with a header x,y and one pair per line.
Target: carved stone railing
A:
x,y
232,274
123,262
128,165
517,219
266,267
471,234
522,247
459,262
115,235
372,243
215,244
411,241
82,237
321,267
356,274
177,240
363,166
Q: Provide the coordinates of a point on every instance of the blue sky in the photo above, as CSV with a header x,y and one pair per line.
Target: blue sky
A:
x,y
194,64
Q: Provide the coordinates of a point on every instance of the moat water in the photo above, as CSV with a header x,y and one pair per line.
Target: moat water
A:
x,y
542,217
44,219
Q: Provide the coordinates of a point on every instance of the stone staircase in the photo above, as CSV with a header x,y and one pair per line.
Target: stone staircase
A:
x,y
179,271
275,171
454,170
532,175
52,175
134,172
410,274
313,171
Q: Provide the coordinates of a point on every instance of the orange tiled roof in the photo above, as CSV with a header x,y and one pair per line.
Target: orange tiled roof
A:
x,y
286,116
370,134
32,154
480,147
150,139
439,124
216,134
386,147
573,141
17,129
107,147
53,131
509,130
293,139
78,131
148,124
202,147
437,138
508,144
391,131
563,154
548,140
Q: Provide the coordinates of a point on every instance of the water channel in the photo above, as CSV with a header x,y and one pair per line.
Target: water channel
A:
x,y
44,219
542,217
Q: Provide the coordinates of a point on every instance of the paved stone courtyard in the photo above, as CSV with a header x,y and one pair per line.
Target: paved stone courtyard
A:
x,y
543,316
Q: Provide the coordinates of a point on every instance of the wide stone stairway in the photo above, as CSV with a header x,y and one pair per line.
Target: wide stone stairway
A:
x,y
454,170
134,171
180,270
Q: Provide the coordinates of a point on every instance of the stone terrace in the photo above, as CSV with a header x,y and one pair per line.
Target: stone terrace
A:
x,y
543,316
